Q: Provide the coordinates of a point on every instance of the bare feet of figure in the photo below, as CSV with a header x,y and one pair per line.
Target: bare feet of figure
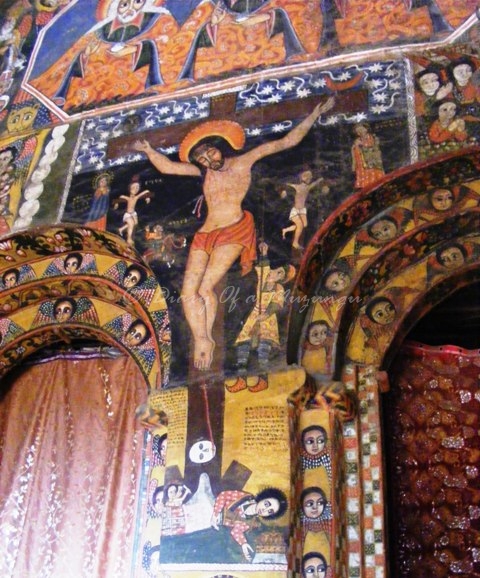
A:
x,y
203,353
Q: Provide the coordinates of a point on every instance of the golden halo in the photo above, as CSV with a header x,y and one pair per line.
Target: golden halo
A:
x,y
106,174
229,130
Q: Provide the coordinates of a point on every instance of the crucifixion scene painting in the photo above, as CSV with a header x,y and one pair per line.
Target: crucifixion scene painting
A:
x,y
239,288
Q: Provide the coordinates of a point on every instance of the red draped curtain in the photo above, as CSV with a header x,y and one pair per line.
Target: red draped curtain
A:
x,y
433,425
70,457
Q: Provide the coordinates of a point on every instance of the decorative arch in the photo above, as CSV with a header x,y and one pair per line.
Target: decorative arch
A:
x,y
71,283
386,242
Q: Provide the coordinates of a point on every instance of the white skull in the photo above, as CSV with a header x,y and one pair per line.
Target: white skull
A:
x,y
202,452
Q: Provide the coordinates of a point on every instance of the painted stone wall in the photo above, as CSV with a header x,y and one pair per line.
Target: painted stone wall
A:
x,y
217,138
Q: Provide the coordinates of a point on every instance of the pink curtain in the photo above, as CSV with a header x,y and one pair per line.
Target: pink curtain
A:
x,y
70,456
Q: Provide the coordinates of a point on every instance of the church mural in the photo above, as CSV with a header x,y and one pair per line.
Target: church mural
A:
x,y
206,489
447,97
155,186
69,284
365,263
201,176
118,51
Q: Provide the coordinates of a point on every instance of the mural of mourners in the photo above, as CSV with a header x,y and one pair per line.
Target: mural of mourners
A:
x,y
241,512
228,232
130,217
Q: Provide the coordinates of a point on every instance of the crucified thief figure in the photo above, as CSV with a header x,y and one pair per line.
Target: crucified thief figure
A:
x,y
298,213
228,231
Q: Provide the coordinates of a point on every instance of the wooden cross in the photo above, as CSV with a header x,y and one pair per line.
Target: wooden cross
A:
x,y
223,108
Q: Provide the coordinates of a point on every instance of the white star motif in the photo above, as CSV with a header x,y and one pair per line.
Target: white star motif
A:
x,y
275,98
359,117
344,76
266,89
378,109
380,97
303,92
278,128
332,120
287,86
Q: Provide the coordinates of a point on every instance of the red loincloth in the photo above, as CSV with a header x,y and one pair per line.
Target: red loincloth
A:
x,y
241,233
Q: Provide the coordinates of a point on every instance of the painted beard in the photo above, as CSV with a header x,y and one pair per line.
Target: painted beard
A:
x,y
216,165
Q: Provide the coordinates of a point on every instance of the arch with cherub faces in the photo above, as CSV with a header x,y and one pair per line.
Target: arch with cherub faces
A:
x,y
71,283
